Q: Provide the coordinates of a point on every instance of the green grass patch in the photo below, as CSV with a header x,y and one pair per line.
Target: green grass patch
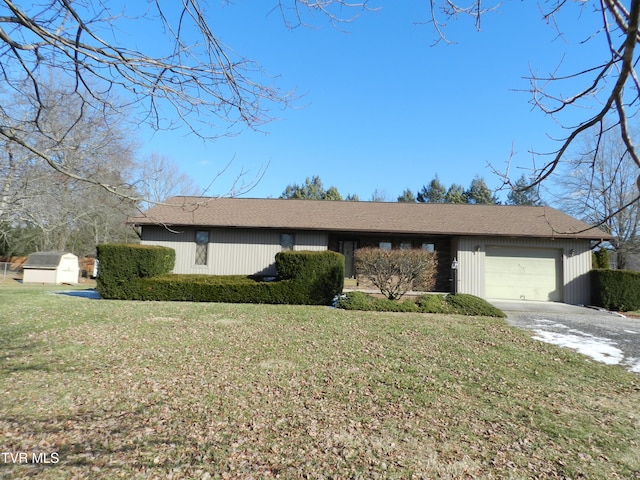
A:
x,y
122,389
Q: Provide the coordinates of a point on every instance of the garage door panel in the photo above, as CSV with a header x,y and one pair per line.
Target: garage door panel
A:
x,y
518,273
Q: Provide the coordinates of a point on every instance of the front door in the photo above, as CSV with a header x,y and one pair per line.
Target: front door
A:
x,y
348,249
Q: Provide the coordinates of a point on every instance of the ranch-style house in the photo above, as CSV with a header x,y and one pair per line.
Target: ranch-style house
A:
x,y
501,252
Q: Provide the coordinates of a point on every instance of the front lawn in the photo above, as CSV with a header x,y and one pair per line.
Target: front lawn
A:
x,y
120,389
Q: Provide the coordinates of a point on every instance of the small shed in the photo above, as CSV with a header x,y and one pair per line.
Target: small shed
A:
x,y
51,267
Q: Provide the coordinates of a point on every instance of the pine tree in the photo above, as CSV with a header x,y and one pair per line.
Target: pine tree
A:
x,y
435,192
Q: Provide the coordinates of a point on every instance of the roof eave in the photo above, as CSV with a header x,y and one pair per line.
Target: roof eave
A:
x,y
596,236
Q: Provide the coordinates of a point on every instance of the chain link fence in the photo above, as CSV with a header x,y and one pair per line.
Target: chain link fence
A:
x,y
10,271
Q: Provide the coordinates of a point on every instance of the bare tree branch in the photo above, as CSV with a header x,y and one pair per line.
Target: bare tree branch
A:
x,y
612,84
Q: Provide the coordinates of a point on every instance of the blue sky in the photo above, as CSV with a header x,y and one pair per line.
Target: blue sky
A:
x,y
380,107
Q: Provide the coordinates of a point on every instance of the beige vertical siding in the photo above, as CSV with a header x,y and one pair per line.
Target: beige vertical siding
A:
x,y
576,264
230,251
470,267
243,252
182,240
317,241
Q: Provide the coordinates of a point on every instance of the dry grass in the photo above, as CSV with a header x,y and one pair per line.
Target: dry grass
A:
x,y
182,390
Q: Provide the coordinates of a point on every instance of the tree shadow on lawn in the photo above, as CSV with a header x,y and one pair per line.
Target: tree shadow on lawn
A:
x,y
96,441
15,354
90,293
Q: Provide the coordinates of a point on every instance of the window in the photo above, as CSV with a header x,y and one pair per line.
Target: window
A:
x,y
428,247
385,245
406,246
287,241
202,242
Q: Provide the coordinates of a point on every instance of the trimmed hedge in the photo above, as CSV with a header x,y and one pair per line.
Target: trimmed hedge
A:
x,y
197,288
318,275
120,264
460,304
617,290
312,278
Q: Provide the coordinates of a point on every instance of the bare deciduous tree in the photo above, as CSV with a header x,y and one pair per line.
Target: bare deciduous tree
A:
x,y
191,76
159,177
54,208
609,86
198,80
599,187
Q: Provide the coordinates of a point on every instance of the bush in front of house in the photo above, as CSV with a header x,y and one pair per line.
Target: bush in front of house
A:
x,y
600,259
139,272
460,304
120,264
395,272
204,288
617,290
365,302
318,275
472,305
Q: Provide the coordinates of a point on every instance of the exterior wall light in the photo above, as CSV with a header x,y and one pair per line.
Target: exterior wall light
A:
x,y
454,268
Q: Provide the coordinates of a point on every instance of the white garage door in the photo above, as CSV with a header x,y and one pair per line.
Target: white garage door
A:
x,y
517,273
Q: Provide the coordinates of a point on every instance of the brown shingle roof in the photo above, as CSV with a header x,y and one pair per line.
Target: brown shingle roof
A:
x,y
44,260
397,218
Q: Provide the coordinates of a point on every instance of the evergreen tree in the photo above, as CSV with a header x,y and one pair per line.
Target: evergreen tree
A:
x,y
435,192
407,197
312,189
479,193
455,194
332,194
519,196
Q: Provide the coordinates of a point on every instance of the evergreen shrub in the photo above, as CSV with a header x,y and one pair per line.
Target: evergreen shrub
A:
x,y
461,304
139,272
231,289
318,275
362,301
600,258
122,263
472,305
617,290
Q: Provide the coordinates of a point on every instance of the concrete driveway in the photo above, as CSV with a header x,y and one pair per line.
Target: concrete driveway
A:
x,y
604,336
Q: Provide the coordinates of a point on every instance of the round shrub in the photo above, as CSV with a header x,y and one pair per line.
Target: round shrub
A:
x,y
472,305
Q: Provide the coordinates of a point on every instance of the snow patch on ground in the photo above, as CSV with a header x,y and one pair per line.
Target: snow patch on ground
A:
x,y
599,349
633,364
